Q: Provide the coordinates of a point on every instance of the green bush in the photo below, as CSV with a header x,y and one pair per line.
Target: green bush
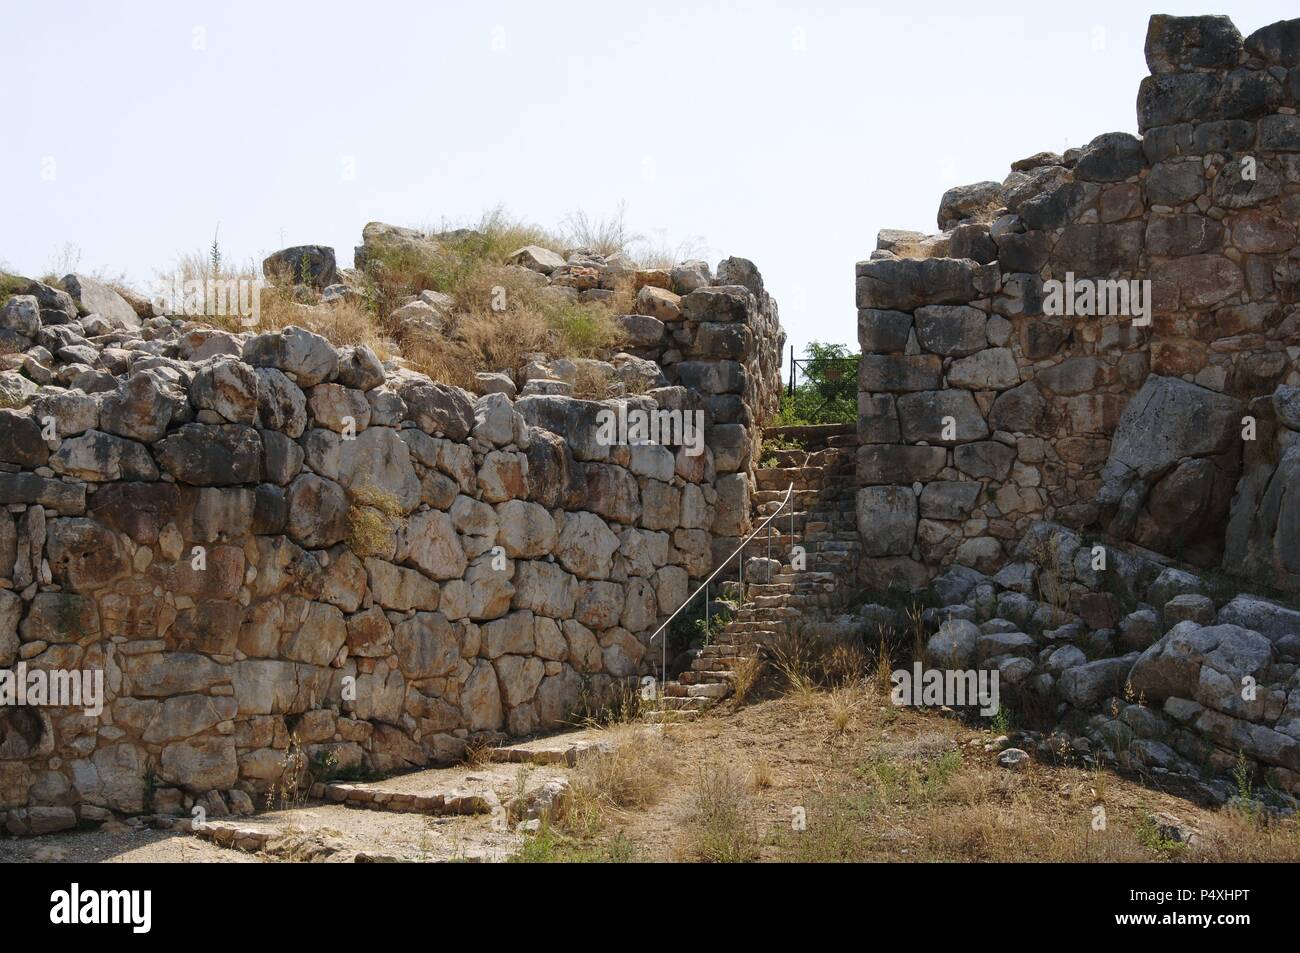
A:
x,y
829,392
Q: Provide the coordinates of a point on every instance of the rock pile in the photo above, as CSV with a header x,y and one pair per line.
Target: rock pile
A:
x,y
1143,665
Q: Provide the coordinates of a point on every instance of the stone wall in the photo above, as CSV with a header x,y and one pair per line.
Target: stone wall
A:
x,y
720,338
265,543
1125,425
1101,505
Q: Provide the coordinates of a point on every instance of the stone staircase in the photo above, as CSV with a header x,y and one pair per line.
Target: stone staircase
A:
x,y
779,599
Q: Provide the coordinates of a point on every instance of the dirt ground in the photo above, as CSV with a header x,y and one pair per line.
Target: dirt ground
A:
x,y
812,775
826,776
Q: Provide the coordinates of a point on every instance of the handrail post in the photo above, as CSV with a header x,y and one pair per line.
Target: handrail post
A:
x,y
704,587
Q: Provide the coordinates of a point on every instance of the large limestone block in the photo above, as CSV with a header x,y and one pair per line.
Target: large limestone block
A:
x,y
308,357
586,546
429,542
887,518
904,284
1169,419
526,530
941,417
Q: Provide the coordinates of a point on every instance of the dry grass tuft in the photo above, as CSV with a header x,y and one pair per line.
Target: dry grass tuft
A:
x,y
478,752
883,668
593,382
843,704
722,830
370,532
373,520
809,665
748,673
629,775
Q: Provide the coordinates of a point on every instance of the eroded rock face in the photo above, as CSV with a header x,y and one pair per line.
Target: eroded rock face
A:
x,y
1169,420
1172,465
1263,531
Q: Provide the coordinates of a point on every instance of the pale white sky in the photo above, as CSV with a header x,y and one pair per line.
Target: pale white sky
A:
x,y
788,133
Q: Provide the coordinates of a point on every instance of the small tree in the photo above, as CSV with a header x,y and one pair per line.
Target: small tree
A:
x,y
828,392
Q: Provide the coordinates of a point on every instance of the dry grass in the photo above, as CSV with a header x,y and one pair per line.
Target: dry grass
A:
x,y
883,665
498,318
880,783
748,672
498,315
370,532
593,382
808,665
478,752
343,323
722,828
604,236
373,521
630,775
794,658
843,703
658,252
1243,837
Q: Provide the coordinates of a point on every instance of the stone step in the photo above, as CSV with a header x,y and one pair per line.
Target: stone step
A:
x,y
716,664
745,636
670,717
705,678
373,798
670,703
801,587
766,613
777,478
768,589
566,748
794,600
719,649
805,575
746,645
799,499
738,629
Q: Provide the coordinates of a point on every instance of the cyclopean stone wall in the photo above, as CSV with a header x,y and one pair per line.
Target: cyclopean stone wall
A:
x,y
720,338
262,540
1128,425
1114,501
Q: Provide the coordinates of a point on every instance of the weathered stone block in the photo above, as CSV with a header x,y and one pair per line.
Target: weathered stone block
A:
x,y
887,517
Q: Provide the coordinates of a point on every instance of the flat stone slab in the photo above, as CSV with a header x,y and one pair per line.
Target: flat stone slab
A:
x,y
333,833
567,749
380,796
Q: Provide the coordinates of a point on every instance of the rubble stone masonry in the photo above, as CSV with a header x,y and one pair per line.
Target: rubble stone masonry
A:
x,y
264,543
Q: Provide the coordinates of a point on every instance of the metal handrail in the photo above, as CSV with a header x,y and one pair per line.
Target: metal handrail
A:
x,y
703,587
